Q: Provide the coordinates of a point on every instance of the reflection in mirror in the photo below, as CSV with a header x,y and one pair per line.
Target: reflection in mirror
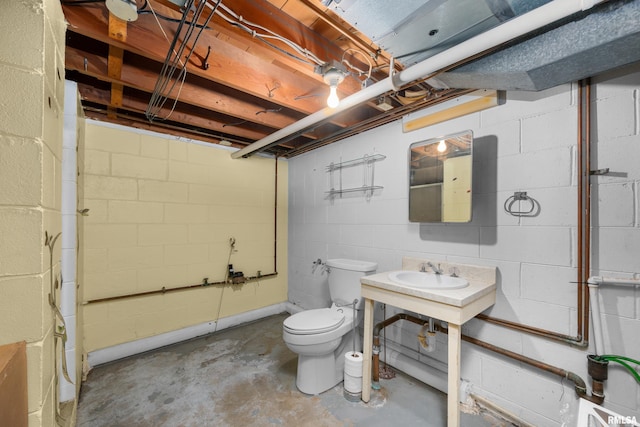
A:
x,y
440,172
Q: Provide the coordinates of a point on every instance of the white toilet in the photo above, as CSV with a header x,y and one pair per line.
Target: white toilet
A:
x,y
321,336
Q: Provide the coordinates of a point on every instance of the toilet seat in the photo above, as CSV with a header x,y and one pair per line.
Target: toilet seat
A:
x,y
315,321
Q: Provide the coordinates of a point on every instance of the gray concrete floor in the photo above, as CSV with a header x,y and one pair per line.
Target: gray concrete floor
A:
x,y
244,376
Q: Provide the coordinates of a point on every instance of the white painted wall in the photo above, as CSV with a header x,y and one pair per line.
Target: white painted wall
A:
x,y
528,144
69,235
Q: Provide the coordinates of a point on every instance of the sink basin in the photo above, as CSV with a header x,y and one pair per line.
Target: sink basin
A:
x,y
422,280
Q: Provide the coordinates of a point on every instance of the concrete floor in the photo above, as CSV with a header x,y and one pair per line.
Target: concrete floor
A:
x,y
244,376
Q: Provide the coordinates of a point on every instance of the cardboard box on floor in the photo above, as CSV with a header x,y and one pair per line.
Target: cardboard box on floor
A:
x,y
13,385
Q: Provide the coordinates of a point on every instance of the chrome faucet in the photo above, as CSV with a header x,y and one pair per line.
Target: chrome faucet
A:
x,y
435,269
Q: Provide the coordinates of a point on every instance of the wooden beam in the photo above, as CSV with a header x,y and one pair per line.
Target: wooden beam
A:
x,y
117,31
180,114
116,95
144,80
267,15
114,62
159,127
228,65
117,28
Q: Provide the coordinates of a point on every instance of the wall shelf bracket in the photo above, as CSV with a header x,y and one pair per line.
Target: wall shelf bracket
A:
x,y
335,170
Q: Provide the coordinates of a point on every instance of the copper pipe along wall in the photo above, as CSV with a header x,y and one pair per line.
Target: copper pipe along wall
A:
x,y
579,231
580,386
587,208
176,289
529,329
205,284
597,395
275,219
583,234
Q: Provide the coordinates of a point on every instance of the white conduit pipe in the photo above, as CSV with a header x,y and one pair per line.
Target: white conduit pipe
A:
x,y
516,27
594,284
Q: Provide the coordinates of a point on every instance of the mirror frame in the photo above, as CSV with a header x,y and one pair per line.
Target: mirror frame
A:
x,y
455,146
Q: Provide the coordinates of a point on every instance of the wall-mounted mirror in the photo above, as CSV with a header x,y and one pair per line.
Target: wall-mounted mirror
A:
x,y
440,172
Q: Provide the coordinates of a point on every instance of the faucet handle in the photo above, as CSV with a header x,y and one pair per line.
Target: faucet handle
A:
x,y
423,267
453,271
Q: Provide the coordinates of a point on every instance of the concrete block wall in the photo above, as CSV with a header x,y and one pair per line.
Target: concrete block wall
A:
x,y
528,144
32,93
162,211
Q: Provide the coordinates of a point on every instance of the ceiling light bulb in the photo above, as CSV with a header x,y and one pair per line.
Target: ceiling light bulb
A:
x,y
333,100
442,146
333,77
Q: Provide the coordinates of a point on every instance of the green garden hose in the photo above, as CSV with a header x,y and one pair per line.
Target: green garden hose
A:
x,y
622,360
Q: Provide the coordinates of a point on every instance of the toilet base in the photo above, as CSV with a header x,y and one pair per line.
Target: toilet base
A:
x,y
317,374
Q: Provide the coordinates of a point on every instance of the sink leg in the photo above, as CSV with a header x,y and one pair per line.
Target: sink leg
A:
x,y
367,349
453,397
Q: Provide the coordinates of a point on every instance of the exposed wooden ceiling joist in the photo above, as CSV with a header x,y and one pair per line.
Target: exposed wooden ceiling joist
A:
x,y
237,88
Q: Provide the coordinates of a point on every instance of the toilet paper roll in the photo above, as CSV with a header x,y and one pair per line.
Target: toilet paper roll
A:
x,y
352,384
353,363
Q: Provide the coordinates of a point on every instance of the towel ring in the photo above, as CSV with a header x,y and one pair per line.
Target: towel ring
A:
x,y
518,196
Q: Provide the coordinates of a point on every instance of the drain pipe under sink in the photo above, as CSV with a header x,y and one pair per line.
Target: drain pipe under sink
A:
x,y
376,342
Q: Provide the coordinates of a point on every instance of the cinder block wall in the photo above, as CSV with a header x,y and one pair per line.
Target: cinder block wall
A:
x,y
32,98
162,211
528,144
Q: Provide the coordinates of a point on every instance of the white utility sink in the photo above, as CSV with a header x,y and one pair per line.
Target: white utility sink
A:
x,y
451,299
423,280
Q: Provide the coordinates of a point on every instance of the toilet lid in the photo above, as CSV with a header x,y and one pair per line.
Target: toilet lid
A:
x,y
314,321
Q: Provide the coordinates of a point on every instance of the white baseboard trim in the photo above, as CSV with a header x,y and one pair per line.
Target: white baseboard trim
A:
x,y
119,351
291,308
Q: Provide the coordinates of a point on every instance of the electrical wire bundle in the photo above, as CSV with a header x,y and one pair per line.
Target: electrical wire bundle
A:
x,y
173,62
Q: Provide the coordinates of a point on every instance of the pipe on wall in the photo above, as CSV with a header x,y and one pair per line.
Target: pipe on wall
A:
x,y
205,283
580,386
583,237
516,27
594,284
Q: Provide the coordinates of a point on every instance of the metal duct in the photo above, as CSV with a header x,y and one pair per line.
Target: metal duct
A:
x,y
607,38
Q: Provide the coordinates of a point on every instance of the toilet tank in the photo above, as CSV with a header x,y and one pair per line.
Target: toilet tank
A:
x,y
344,279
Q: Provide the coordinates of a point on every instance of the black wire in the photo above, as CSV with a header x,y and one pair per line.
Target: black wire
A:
x,y
166,73
142,11
157,100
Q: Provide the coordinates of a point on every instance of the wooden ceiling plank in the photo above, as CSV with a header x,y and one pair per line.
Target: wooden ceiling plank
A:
x,y
154,127
228,65
335,23
197,95
270,16
100,96
123,119
194,95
